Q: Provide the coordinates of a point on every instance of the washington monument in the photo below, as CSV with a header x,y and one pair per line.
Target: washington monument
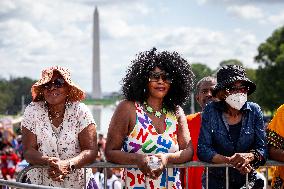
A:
x,y
96,93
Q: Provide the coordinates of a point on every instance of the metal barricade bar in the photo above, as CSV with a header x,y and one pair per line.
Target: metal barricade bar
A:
x,y
106,165
23,185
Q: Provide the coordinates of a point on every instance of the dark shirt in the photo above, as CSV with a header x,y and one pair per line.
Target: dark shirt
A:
x,y
234,132
214,138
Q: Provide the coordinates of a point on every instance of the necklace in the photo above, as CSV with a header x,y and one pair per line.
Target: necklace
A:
x,y
52,115
56,114
156,113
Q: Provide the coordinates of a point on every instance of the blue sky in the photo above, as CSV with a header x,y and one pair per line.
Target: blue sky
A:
x,y
38,34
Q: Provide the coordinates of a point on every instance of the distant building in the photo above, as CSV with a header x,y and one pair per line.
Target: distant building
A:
x,y
96,84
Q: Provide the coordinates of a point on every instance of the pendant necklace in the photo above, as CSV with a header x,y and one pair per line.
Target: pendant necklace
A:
x,y
55,115
156,113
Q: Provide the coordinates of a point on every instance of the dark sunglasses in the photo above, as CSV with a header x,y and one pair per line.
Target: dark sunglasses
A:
x,y
57,83
155,77
242,89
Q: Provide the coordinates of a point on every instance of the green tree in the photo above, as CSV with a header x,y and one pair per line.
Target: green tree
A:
x,y
201,70
22,88
251,74
12,91
269,75
6,96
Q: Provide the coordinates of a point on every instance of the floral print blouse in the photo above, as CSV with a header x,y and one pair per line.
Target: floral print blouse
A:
x,y
63,144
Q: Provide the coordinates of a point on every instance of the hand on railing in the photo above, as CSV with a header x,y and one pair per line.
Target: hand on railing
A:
x,y
241,161
163,161
58,169
142,163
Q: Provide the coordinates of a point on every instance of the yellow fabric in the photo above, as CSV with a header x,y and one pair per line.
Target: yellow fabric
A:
x,y
277,122
277,125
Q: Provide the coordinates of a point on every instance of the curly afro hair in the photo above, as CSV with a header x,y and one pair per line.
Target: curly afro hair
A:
x,y
134,87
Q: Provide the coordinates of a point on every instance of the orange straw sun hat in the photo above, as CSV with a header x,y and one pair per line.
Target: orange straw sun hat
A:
x,y
75,93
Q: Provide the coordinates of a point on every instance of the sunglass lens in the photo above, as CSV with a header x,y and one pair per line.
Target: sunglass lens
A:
x,y
59,83
242,89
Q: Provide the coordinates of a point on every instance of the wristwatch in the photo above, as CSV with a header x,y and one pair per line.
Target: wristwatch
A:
x,y
71,166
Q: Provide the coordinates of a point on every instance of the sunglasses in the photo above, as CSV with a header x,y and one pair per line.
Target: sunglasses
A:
x,y
156,76
234,89
57,83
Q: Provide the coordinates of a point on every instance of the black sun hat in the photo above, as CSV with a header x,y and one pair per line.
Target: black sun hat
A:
x,y
228,74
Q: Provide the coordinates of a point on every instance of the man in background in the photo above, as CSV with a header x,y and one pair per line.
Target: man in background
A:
x,y
203,95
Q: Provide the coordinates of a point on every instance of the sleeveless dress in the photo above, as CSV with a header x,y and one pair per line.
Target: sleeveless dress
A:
x,y
144,139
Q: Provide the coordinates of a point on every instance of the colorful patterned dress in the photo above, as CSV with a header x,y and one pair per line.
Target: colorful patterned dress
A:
x,y
275,138
145,140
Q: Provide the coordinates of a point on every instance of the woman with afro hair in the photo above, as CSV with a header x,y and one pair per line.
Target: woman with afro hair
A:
x,y
149,128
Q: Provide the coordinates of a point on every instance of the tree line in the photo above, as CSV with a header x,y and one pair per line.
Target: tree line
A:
x,y
13,93
269,78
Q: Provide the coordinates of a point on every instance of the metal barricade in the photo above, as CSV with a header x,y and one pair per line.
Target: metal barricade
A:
x,y
14,184
106,165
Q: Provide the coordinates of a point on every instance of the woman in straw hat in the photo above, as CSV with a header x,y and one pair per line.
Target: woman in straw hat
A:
x,y
232,131
58,132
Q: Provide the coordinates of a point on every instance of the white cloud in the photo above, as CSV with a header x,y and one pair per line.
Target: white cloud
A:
x,y
6,6
246,11
277,19
240,1
201,2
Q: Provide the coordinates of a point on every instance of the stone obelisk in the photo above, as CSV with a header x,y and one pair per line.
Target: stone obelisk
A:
x,y
96,93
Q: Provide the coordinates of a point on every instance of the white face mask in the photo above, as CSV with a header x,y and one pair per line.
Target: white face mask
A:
x,y
237,100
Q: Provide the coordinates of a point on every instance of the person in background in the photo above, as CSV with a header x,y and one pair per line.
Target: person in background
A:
x,y
9,161
149,127
101,146
2,141
102,141
203,96
275,140
232,132
59,131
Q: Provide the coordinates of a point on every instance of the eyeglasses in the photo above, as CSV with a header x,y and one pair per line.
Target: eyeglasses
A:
x,y
57,83
155,77
242,89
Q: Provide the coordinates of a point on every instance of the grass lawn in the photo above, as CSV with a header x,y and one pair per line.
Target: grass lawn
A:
x,y
104,102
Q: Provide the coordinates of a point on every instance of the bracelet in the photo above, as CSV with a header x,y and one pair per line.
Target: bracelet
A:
x,y
257,160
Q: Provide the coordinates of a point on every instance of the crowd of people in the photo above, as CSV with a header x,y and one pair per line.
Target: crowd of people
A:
x,y
149,129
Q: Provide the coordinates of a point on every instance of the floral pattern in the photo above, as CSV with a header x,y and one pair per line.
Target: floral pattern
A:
x,y
63,145
145,140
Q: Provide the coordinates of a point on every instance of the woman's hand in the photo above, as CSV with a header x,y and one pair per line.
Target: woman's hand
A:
x,y
241,162
245,169
142,163
163,159
58,169
55,175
